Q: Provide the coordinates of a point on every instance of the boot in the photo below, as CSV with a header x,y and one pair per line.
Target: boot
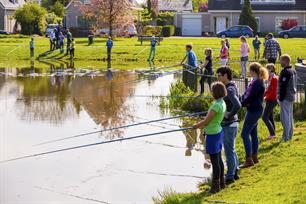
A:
x,y
236,176
215,186
248,163
222,182
255,158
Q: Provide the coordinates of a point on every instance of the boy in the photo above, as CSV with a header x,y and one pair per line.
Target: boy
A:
x,y
32,48
72,47
69,40
256,46
153,49
189,77
109,45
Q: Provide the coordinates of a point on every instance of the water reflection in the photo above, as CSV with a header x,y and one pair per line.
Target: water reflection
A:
x,y
62,93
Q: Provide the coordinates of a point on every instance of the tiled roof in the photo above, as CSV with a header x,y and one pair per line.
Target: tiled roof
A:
x,y
9,4
175,5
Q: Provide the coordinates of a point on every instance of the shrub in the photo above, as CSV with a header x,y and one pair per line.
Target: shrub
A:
x,y
79,31
152,30
165,18
168,30
51,18
246,16
288,23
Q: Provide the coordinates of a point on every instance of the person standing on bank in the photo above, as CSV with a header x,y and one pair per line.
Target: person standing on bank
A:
x,y
109,45
244,55
271,100
253,100
32,48
153,49
256,45
230,123
286,96
61,42
208,70
223,54
214,135
71,49
69,40
272,49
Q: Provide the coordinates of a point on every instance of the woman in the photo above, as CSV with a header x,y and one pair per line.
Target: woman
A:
x,y
271,100
214,135
244,55
223,54
208,70
253,99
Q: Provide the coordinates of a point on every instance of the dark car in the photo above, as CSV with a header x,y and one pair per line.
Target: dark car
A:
x,y
2,32
295,32
236,31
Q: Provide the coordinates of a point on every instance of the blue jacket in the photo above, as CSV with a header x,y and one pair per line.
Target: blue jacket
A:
x,y
192,59
254,101
109,44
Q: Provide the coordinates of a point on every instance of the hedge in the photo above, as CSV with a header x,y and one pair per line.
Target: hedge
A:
x,y
168,30
152,30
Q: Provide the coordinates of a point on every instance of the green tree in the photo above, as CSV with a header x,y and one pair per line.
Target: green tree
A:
x,y
31,18
58,8
51,18
247,17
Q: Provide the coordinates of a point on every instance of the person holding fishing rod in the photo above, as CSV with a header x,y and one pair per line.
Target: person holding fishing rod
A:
x,y
153,49
214,135
189,77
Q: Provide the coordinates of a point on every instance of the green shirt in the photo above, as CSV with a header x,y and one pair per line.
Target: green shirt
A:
x,y
214,126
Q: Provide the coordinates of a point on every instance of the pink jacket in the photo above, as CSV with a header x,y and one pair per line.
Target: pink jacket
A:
x,y
244,50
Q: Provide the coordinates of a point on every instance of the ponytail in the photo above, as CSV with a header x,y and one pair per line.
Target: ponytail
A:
x,y
261,71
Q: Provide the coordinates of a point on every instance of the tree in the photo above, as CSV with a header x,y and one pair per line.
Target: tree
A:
x,y
32,18
58,8
247,17
110,13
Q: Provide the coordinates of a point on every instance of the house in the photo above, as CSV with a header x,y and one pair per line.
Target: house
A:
x,y
175,5
7,9
268,13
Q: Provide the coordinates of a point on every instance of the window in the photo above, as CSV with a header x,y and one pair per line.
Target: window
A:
x,y
279,20
86,2
234,29
304,28
271,1
296,28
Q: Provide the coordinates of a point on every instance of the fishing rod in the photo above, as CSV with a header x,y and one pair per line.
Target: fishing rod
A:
x,y
94,144
156,96
121,127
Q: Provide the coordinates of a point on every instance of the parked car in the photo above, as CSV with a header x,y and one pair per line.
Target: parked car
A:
x,y
295,32
2,32
236,31
130,31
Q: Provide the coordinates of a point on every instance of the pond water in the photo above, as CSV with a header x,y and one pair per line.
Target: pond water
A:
x,y
37,106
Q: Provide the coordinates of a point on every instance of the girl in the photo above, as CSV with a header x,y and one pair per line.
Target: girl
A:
x,y
208,69
223,53
214,135
72,47
253,100
244,55
271,100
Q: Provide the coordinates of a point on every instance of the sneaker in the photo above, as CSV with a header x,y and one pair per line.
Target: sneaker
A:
x,y
271,137
229,181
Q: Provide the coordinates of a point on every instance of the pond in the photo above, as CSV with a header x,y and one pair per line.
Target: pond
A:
x,y
37,106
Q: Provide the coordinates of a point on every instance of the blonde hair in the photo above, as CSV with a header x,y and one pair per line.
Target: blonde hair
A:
x,y
261,71
270,67
208,52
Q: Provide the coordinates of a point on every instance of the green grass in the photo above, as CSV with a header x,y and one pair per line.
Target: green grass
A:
x,y
280,177
126,52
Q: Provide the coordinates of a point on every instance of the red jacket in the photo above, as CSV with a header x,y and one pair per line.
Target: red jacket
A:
x,y
271,91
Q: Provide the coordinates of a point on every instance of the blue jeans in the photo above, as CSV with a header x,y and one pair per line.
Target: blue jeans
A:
x,y
250,128
232,161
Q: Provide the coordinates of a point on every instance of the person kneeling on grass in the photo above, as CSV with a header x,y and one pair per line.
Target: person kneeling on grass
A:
x,y
214,135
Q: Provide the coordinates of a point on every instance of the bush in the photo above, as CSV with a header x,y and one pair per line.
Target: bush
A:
x,y
152,30
168,30
79,31
165,18
288,23
52,18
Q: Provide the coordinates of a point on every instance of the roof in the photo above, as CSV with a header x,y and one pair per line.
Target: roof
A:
x,y
236,5
175,5
9,4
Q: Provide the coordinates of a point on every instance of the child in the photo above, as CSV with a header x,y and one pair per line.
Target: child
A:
x,y
62,41
109,45
223,53
32,48
271,100
228,45
72,47
214,135
153,49
256,46
244,55
208,72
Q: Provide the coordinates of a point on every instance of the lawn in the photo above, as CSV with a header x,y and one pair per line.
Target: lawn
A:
x,y
280,177
128,53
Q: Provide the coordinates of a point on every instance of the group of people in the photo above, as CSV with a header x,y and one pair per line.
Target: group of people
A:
x,y
57,41
221,122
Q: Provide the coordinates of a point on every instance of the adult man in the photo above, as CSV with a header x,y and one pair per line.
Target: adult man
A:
x,y
286,96
69,40
190,78
109,45
230,123
272,49
153,49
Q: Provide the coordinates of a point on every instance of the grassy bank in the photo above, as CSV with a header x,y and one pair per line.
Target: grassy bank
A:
x,y
127,53
280,177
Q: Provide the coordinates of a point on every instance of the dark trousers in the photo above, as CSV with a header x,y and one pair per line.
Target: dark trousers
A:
x,y
62,47
109,53
52,45
272,60
31,52
217,165
72,52
68,46
207,77
268,116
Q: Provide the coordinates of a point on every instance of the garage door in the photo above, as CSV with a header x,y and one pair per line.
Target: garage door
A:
x,y
191,26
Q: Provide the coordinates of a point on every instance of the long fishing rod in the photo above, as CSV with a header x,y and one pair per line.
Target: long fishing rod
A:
x,y
93,144
121,127
156,96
